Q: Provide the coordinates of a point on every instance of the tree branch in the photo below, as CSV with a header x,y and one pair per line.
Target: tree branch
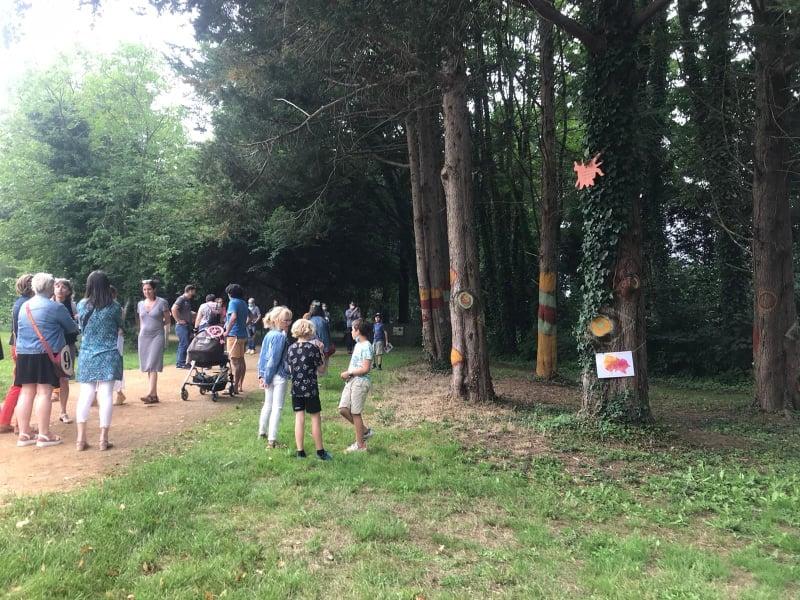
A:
x,y
547,10
648,12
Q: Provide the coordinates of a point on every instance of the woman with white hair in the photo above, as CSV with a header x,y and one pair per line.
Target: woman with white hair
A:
x,y
41,332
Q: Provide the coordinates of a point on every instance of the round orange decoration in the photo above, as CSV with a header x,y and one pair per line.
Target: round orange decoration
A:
x,y
465,300
601,326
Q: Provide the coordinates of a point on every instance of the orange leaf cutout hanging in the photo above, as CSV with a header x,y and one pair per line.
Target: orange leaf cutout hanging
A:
x,y
587,172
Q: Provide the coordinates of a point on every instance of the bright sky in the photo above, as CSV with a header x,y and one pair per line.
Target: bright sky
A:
x,y
51,27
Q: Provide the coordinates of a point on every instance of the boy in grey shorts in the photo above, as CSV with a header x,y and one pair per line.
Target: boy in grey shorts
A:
x,y
355,391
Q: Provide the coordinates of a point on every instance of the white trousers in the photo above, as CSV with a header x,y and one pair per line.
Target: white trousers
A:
x,y
104,391
271,411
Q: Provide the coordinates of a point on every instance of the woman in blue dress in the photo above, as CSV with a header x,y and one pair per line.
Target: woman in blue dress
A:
x,y
100,363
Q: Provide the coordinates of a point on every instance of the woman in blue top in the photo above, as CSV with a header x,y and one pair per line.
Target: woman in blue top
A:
x,y
40,331
273,373
100,362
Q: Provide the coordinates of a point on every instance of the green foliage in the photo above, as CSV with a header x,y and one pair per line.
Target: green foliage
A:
x,y
96,177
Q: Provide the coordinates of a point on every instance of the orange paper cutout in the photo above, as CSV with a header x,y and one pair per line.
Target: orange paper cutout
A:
x,y
587,172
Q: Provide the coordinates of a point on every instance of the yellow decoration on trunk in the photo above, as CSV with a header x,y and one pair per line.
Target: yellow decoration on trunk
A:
x,y
456,357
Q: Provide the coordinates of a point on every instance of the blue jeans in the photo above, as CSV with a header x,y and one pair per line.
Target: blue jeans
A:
x,y
184,333
251,337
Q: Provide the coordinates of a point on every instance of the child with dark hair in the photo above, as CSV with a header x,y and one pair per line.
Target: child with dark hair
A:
x,y
380,340
355,391
305,359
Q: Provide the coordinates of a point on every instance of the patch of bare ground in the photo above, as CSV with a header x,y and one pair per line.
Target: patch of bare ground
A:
x,y
417,396
134,426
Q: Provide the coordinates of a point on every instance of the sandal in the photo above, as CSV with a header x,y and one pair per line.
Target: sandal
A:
x,y
26,439
150,400
106,445
81,446
44,441
64,418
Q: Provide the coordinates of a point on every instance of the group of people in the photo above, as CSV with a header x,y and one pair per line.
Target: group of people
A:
x,y
45,326
302,361
46,323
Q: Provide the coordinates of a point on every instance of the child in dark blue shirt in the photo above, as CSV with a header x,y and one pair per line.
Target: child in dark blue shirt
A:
x,y
305,359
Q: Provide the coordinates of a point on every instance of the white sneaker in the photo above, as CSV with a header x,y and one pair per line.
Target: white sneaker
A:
x,y
368,433
354,447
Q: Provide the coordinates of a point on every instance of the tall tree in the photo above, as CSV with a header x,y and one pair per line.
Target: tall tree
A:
x,y
471,379
776,339
106,174
549,214
611,264
430,233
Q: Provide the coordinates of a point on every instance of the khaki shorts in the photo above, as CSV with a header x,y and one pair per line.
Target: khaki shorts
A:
x,y
378,348
235,347
354,395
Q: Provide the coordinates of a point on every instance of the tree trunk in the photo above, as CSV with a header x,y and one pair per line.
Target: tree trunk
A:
x,y
430,241
775,329
546,348
612,230
430,159
471,379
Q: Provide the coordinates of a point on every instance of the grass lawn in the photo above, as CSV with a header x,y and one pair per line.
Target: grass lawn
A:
x,y
608,512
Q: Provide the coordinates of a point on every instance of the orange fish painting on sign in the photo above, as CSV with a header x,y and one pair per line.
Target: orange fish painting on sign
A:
x,y
614,364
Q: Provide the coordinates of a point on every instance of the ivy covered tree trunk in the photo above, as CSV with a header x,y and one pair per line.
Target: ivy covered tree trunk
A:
x,y
549,216
430,235
612,228
775,329
469,356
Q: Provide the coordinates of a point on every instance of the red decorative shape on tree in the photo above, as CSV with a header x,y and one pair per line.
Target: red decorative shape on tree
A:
x,y
587,172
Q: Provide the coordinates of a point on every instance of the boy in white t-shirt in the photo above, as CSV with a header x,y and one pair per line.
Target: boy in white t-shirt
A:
x,y
355,391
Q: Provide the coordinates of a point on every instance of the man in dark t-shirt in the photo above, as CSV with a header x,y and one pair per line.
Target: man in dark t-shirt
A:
x,y
182,313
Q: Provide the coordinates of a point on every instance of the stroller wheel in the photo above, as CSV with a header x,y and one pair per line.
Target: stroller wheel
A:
x,y
184,394
202,391
214,396
231,390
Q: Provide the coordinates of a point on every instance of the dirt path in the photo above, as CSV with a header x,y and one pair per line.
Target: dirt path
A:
x,y
33,470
